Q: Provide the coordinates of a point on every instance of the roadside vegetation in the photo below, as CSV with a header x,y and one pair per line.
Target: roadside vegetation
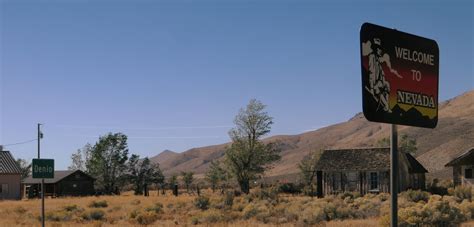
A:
x,y
260,207
230,192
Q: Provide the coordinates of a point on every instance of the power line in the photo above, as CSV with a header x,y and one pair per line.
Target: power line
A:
x,y
13,144
143,128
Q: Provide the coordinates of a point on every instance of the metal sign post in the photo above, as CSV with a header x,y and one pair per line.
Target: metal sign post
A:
x,y
400,76
41,169
393,176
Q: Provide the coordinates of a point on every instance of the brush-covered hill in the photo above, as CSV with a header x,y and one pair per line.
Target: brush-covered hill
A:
x,y
453,135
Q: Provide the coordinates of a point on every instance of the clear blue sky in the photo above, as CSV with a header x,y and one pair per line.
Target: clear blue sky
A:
x,y
173,74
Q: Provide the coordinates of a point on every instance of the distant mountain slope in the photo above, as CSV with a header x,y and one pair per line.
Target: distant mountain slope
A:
x,y
165,156
453,135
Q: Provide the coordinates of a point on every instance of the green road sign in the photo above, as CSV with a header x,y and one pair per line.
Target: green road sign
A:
x,y
43,168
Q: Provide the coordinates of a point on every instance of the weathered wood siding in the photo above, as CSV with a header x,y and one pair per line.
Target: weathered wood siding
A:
x,y
335,182
457,173
10,184
76,184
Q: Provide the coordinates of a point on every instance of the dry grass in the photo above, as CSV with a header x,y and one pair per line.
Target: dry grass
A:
x,y
167,210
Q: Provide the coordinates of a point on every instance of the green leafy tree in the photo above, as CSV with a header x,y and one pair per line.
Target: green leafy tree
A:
x,y
143,173
307,167
134,173
248,157
157,177
151,173
107,162
406,144
25,167
173,180
215,174
187,178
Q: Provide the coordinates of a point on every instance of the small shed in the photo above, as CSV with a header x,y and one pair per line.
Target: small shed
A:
x,y
10,176
64,183
463,166
365,170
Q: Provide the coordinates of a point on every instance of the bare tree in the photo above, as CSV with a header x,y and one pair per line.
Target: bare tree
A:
x,y
79,158
25,167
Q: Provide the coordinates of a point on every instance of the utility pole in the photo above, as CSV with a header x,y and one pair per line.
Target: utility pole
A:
x,y
40,136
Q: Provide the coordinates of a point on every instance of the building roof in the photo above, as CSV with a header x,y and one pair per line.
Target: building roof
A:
x,y
413,165
8,164
363,159
466,158
58,176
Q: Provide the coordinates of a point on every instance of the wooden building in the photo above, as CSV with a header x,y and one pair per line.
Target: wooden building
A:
x,y
10,176
463,166
64,183
365,170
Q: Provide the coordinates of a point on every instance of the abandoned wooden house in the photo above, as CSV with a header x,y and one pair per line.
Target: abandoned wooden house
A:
x,y
10,176
365,170
462,168
64,183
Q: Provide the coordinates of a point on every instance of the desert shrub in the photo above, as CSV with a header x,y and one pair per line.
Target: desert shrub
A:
x,y
134,214
98,204
441,213
57,216
202,202
249,197
461,193
20,210
313,216
269,194
367,207
237,193
309,190
415,195
344,212
436,212
72,208
135,202
229,199
93,215
114,209
412,215
345,195
467,209
146,218
264,216
195,220
180,205
381,196
157,208
250,211
289,211
384,220
330,211
238,207
439,188
212,216
290,188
